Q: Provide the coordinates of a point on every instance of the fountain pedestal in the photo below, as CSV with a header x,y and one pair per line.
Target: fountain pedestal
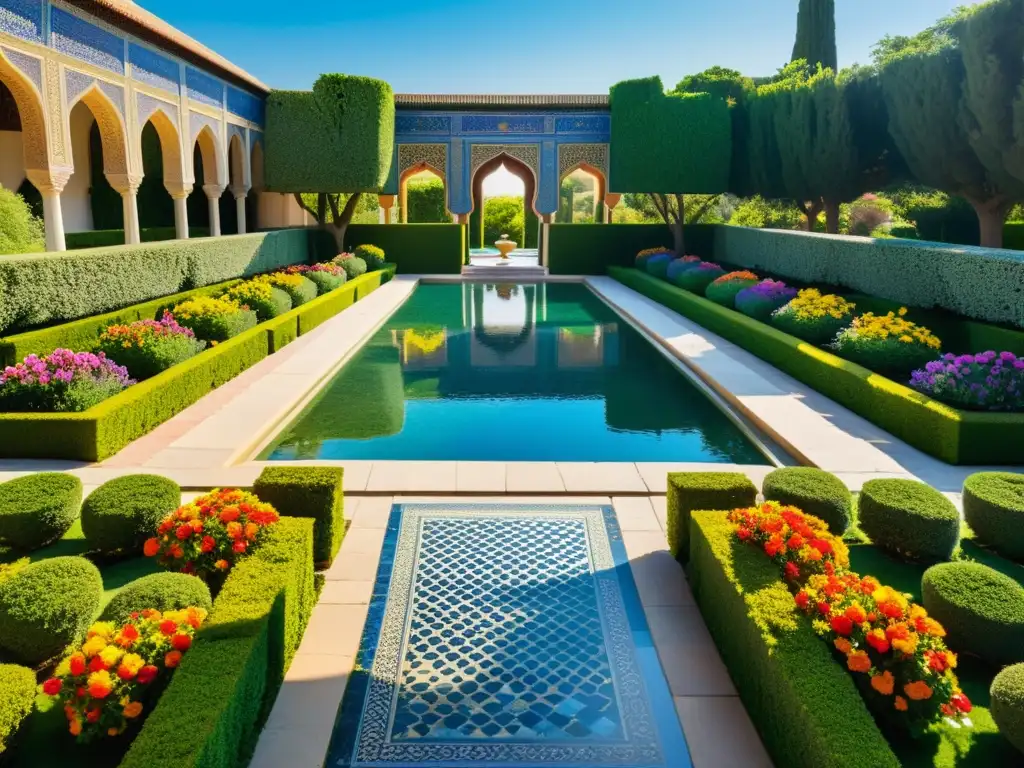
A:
x,y
505,246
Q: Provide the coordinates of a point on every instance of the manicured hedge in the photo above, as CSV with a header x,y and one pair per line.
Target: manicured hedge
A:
x,y
955,436
803,703
417,249
1007,709
17,694
82,334
122,513
981,609
58,287
994,508
909,518
101,238
163,591
690,491
590,249
211,713
36,510
314,492
813,491
983,283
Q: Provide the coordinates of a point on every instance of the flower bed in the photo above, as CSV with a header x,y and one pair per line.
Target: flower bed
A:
x,y
950,434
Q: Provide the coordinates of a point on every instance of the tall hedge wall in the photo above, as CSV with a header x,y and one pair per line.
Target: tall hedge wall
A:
x,y
337,138
100,238
694,130
58,287
982,283
417,249
589,249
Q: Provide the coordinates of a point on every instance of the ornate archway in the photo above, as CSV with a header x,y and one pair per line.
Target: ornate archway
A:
x,y
593,160
517,167
29,102
403,187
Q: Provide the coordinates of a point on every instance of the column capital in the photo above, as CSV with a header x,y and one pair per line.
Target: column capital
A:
x,y
49,180
239,192
179,190
213,191
125,183
386,201
612,199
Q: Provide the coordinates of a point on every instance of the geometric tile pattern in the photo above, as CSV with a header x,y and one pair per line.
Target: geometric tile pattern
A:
x,y
504,635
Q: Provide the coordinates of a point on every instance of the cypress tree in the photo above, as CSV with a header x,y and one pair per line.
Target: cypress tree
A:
x,y
816,34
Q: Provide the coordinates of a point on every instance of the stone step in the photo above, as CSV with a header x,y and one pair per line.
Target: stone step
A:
x,y
507,273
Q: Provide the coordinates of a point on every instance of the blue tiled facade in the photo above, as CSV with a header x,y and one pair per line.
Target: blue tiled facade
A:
x,y
153,69
76,37
22,18
246,105
204,88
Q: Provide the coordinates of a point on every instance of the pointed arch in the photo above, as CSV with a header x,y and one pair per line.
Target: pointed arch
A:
x,y
256,164
513,165
209,149
30,110
113,135
170,146
403,186
597,173
237,172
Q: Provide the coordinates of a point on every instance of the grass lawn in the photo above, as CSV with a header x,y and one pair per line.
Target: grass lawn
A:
x,y
944,746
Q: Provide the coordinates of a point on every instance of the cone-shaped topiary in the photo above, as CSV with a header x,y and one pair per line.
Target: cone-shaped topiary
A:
x,y
981,609
1007,708
122,513
36,510
48,606
813,491
909,518
163,591
994,508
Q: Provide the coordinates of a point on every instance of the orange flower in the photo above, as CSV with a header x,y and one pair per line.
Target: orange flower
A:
x,y
235,530
77,663
918,690
843,645
883,683
151,547
128,635
229,515
100,684
222,565
172,659
75,726
856,614
876,639
112,731
900,703
133,709
168,627
858,661
251,529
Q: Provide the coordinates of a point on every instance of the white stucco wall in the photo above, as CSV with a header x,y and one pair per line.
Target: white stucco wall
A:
x,y
277,210
12,160
75,198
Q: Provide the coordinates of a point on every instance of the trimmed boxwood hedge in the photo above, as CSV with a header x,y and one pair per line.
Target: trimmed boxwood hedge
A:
x,y
994,508
100,238
163,591
1007,707
372,254
813,491
17,694
952,435
315,492
211,713
981,609
36,510
417,249
690,491
122,513
804,705
47,606
302,293
325,282
909,518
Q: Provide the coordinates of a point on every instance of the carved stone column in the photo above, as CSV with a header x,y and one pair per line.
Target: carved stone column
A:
x,y
127,185
240,194
213,193
179,192
387,204
50,184
610,201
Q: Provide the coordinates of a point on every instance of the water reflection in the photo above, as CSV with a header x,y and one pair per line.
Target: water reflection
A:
x,y
511,372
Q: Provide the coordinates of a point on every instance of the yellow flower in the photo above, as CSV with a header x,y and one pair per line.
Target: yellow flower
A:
x,y
104,629
111,655
93,646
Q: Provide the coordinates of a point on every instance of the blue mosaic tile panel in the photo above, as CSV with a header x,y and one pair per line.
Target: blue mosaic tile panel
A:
x,y
77,83
22,18
505,635
584,124
147,106
246,105
153,69
423,124
503,124
30,66
203,87
77,37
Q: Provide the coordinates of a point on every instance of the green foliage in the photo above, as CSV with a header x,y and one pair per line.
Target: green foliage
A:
x,y
909,518
47,607
806,707
337,138
697,280
36,510
813,491
975,283
17,694
304,291
104,238
981,609
816,34
105,279
253,295
503,216
648,126
994,508
760,213
216,326
591,249
20,231
724,293
325,282
418,249
211,713
426,203
314,492
162,591
931,40
353,266
122,513
1007,694
371,254
957,437
720,82
691,491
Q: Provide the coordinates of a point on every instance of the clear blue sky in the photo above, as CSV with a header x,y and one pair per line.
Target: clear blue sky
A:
x,y
522,46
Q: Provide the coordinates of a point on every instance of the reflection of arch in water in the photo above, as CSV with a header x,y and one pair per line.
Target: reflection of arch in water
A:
x,y
500,341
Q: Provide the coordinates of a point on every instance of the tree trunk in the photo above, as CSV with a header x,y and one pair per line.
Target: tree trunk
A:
x,y
811,211
678,241
991,219
343,218
832,217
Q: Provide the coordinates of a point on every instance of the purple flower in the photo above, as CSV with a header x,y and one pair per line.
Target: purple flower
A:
x,y
985,381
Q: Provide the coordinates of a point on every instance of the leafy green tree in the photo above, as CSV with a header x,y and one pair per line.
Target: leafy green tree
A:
x,y
503,216
20,231
720,82
766,214
816,34
931,40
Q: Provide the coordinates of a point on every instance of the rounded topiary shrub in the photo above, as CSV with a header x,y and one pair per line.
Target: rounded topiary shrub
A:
x,y
163,591
760,300
647,253
909,518
17,694
723,290
981,609
36,510
353,265
813,491
657,265
300,289
372,255
266,300
699,277
48,606
1007,707
680,266
122,513
324,281
814,317
994,508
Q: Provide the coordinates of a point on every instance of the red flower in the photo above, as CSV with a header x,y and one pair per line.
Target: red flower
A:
x,y
936,661
176,551
961,702
147,674
208,544
802,600
96,664
792,571
151,547
168,627
77,662
238,546
824,608
263,516
841,625
823,546
183,531
172,659
795,541
52,686
876,639
181,642
93,714
743,534
229,515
